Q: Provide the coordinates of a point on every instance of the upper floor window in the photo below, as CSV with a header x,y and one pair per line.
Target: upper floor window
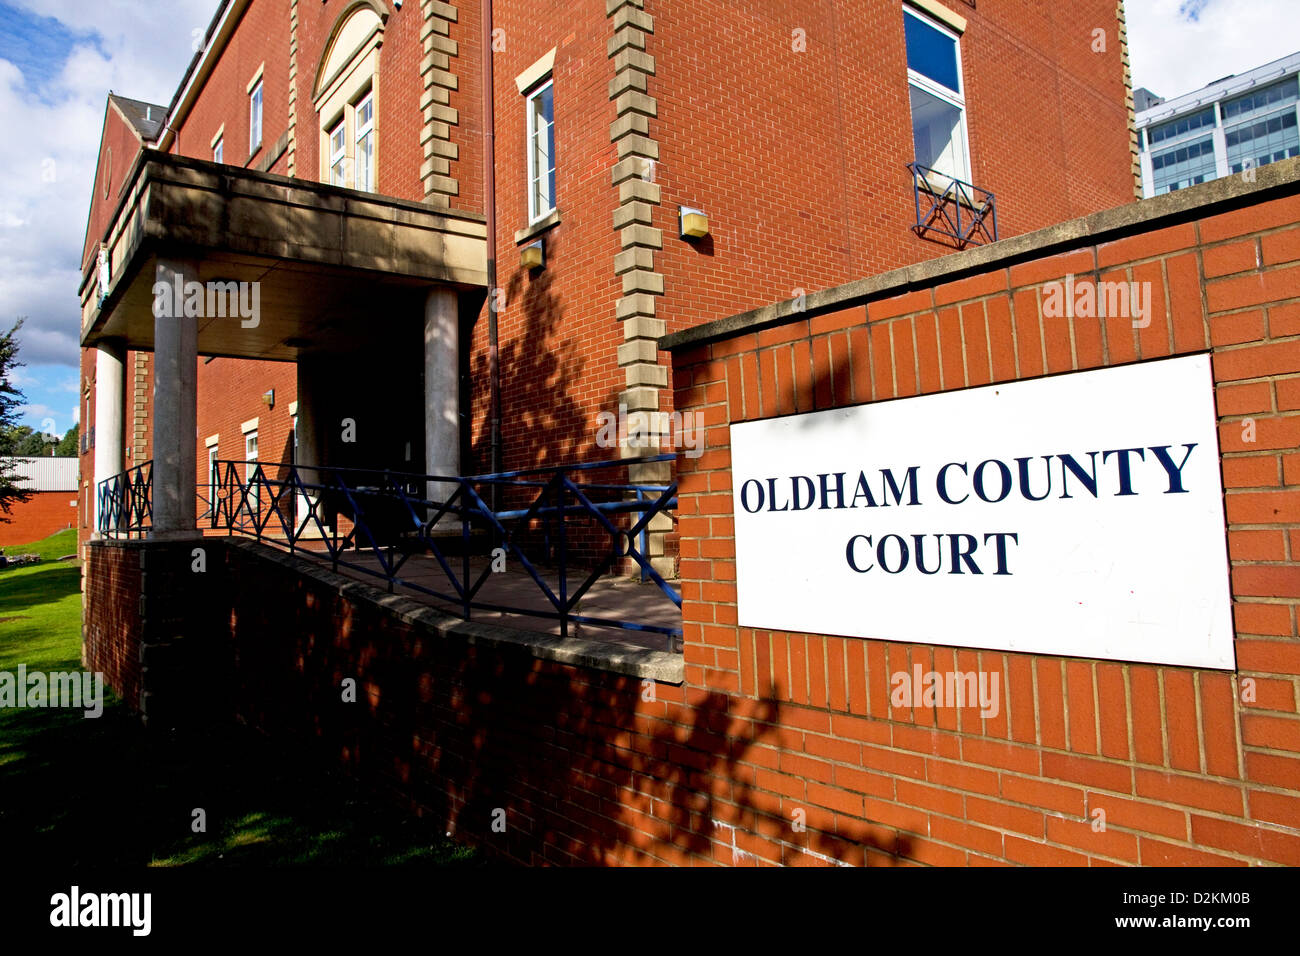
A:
x,y
1202,119
345,95
338,154
541,151
365,120
938,100
255,118
1269,98
1183,165
218,150
1260,127
351,155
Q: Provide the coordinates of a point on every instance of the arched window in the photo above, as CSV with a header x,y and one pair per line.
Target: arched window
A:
x,y
345,97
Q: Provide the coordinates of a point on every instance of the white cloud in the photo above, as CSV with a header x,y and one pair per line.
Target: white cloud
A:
x,y
45,413
1177,46
135,48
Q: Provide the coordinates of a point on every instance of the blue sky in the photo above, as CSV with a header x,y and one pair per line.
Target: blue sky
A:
x,y
58,61
38,45
60,58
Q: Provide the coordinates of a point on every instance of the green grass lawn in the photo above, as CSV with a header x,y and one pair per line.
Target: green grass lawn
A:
x,y
105,792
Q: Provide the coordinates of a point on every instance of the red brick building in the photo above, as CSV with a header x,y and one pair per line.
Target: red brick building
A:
x,y
789,125
51,505
744,211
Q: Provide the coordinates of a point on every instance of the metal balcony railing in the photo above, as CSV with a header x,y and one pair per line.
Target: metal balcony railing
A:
x,y
126,503
950,209
564,528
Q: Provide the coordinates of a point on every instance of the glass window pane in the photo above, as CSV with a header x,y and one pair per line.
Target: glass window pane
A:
x,y
1183,166
255,117
337,154
936,134
365,162
931,52
1204,119
1262,141
1269,98
541,153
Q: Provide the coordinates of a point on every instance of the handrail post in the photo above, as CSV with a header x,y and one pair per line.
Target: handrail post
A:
x,y
466,600
564,557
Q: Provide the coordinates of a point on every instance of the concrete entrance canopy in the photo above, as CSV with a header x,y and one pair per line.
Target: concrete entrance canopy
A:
x,y
330,262
260,266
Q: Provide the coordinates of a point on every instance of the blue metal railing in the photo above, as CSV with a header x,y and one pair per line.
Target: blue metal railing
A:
x,y
125,503
945,200
561,526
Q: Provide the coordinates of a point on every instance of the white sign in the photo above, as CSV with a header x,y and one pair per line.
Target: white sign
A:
x,y
1079,515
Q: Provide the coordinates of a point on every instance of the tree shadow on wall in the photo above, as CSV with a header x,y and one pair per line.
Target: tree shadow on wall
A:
x,y
540,366
533,761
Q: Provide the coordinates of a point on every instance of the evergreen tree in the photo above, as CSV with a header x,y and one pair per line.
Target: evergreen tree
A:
x,y
11,398
69,446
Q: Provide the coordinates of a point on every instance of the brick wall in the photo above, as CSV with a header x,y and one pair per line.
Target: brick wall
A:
x,y
112,583
582,330
455,721
798,157
229,394
261,39
148,626
118,145
1190,766
44,513
770,728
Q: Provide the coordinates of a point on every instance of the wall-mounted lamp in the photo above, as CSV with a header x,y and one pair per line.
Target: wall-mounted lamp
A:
x,y
268,398
694,223
533,255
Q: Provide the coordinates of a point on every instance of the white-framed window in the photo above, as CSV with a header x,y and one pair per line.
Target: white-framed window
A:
x,y
338,154
938,98
255,118
250,469
218,150
541,151
365,122
214,479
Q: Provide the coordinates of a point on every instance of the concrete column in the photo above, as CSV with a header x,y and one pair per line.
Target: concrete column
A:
x,y
313,381
441,389
110,397
174,403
